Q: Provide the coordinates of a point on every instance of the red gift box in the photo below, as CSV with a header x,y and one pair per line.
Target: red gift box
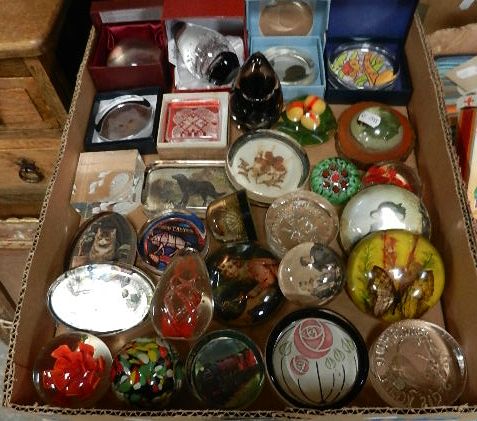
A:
x,y
117,20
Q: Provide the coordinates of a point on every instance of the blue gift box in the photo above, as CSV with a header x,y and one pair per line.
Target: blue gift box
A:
x,y
311,44
379,23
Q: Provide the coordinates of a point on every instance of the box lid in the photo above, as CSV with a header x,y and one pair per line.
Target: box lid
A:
x,y
181,9
378,19
320,10
120,11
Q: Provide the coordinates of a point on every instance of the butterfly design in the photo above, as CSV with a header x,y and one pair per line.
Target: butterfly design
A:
x,y
409,295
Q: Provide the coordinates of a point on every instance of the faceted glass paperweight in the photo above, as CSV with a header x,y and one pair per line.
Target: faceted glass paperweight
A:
x,y
382,207
414,363
72,370
395,275
146,372
244,283
393,172
311,274
256,99
299,217
134,52
206,53
182,305
316,359
225,370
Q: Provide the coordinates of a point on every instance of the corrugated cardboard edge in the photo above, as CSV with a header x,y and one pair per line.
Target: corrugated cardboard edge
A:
x,y
292,413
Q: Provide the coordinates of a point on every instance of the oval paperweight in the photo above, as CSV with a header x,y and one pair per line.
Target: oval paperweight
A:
x,y
244,283
382,207
72,370
107,237
395,275
414,363
299,217
101,298
161,238
267,164
225,370
362,66
292,65
146,372
316,359
311,274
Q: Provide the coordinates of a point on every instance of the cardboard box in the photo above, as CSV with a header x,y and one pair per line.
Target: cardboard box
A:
x,y
443,194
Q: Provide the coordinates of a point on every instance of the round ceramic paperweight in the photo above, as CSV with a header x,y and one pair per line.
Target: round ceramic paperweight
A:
x,y
316,359
72,370
308,119
395,275
362,66
146,372
162,237
293,66
267,164
225,370
101,298
336,179
311,274
244,283
370,132
414,363
382,207
393,172
300,217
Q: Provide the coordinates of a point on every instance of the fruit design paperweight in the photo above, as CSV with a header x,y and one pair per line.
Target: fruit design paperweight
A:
x,y
382,207
395,275
311,274
101,298
300,217
146,373
161,238
244,284
230,218
414,364
267,164
370,132
182,305
393,172
362,66
316,359
308,119
107,237
225,370
336,179
72,370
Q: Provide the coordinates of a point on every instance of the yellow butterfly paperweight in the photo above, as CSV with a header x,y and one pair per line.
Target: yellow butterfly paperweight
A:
x,y
394,275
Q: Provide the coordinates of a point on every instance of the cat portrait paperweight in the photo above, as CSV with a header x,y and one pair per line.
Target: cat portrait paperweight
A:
x,y
146,373
316,359
225,370
395,275
72,370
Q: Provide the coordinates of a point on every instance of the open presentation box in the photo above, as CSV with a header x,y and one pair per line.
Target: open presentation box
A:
x,y
443,195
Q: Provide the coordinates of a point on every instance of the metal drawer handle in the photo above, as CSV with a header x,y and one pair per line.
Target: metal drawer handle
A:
x,y
29,172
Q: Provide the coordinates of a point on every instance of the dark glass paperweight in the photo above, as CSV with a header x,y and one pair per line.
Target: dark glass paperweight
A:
x,y
256,99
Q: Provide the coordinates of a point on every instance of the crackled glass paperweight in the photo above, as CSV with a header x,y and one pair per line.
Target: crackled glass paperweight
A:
x,y
284,17
182,305
316,359
146,372
134,52
382,207
336,179
72,370
370,132
300,217
393,172
267,164
308,119
362,66
225,370
414,364
101,298
244,284
311,274
395,275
